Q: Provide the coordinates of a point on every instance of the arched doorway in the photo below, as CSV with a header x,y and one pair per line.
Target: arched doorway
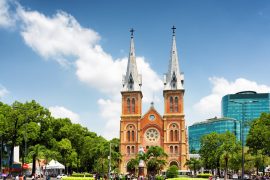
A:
x,y
174,163
131,166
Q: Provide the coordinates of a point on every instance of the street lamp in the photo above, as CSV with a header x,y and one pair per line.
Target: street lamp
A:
x,y
243,104
109,158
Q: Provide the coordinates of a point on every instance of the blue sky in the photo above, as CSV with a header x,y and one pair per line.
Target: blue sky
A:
x,y
70,56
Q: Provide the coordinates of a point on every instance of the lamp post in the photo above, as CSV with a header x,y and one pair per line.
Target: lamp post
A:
x,y
25,149
109,158
243,104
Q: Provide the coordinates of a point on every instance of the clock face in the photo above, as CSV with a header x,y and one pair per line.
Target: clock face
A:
x,y
152,135
152,117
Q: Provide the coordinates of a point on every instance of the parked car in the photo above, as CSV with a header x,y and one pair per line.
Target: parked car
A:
x,y
60,176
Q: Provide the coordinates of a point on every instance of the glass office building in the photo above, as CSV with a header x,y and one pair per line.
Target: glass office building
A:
x,y
246,106
219,125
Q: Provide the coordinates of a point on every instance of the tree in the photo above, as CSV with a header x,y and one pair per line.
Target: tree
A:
x,y
228,148
259,133
36,153
133,165
65,149
219,148
209,151
194,164
155,158
4,124
172,172
31,126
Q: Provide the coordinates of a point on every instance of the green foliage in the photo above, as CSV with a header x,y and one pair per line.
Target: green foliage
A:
x,y
172,172
50,138
78,178
204,175
82,175
132,165
155,159
208,152
187,178
219,149
194,164
159,178
259,133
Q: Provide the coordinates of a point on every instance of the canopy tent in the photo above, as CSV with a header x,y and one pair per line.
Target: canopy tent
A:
x,y
55,165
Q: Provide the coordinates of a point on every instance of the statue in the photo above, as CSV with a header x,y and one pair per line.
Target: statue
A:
x,y
141,164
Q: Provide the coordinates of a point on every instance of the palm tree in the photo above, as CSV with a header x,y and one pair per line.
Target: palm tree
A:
x,y
36,152
155,159
228,148
133,165
194,164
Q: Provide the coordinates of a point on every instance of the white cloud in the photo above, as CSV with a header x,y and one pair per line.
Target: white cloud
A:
x,y
110,111
57,37
61,38
62,112
3,91
210,105
7,19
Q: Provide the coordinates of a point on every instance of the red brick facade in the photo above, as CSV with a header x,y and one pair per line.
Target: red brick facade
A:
x,y
152,129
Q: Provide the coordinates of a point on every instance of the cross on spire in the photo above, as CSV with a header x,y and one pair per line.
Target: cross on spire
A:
x,y
173,28
132,32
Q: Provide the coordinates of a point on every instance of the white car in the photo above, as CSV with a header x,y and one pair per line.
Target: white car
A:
x,y
60,176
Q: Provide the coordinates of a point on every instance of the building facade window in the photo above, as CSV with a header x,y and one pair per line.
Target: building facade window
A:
x,y
171,104
128,149
175,135
128,135
171,135
176,149
176,104
128,105
174,132
133,105
132,149
171,149
133,135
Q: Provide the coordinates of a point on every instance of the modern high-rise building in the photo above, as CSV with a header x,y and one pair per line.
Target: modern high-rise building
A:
x,y
246,106
218,125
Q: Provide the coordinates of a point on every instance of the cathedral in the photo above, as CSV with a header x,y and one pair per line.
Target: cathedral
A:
x,y
139,130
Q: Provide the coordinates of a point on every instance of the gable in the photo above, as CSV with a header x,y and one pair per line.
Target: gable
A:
x,y
151,119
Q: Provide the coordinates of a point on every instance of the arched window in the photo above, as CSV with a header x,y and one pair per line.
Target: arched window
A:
x,y
171,149
132,149
176,135
128,150
128,135
171,104
171,135
133,135
176,149
133,105
128,105
176,104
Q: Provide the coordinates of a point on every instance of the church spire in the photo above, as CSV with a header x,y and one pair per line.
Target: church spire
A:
x,y
174,79
132,80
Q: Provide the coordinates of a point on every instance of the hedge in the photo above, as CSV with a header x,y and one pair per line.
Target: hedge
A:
x,y
78,178
160,178
204,175
186,178
82,175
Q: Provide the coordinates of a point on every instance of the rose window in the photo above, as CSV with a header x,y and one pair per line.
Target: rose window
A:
x,y
152,135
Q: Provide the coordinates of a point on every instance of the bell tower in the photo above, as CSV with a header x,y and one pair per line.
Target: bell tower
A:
x,y
131,109
175,137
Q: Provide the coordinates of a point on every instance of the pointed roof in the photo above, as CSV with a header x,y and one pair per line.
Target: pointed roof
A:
x,y
53,164
174,79
132,80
